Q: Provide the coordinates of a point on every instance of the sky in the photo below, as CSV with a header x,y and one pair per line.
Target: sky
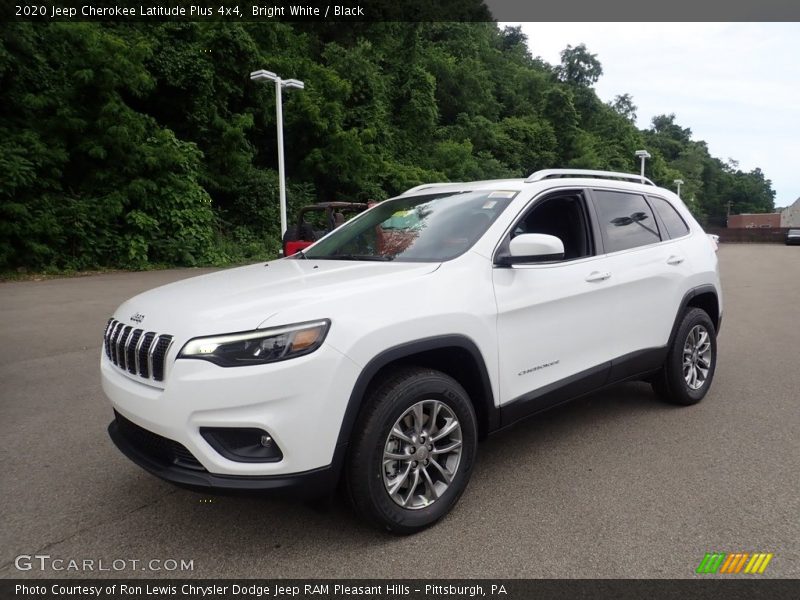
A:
x,y
735,85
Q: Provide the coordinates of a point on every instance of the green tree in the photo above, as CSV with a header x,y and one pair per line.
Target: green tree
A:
x,y
579,66
133,144
624,106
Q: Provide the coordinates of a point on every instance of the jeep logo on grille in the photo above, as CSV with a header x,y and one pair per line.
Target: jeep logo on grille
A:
x,y
137,318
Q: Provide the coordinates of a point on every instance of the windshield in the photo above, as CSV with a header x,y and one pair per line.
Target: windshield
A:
x,y
429,228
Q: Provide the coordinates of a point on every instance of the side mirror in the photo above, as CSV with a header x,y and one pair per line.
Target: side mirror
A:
x,y
532,248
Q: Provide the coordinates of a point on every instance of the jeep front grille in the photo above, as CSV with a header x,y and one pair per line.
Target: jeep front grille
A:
x,y
140,353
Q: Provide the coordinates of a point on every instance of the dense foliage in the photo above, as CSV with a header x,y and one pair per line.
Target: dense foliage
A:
x,y
134,144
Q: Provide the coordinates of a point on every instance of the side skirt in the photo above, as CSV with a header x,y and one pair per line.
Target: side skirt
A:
x,y
631,366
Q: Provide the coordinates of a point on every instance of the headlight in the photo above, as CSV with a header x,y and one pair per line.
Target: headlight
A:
x,y
260,346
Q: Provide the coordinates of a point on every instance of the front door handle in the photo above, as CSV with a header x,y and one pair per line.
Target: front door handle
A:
x,y
598,276
675,260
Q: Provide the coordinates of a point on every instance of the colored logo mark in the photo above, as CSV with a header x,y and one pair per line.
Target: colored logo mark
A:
x,y
735,562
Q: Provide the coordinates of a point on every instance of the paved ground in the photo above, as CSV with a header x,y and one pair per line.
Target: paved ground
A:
x,y
615,485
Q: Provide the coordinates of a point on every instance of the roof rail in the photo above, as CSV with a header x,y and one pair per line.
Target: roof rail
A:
x,y
556,173
462,185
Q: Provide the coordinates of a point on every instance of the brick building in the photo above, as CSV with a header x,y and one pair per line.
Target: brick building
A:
x,y
755,221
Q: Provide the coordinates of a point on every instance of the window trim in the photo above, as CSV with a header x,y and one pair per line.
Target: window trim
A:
x,y
595,241
658,216
594,200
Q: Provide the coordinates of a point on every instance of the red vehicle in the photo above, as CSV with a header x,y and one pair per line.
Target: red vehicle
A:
x,y
317,220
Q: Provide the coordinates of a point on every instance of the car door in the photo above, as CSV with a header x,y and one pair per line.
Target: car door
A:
x,y
552,323
646,279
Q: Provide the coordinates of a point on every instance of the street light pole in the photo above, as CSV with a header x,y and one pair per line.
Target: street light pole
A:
x,y
263,75
679,183
281,166
643,155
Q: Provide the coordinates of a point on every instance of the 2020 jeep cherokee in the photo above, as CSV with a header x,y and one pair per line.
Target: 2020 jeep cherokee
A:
x,y
383,352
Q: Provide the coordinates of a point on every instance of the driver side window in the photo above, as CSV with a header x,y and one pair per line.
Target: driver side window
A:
x,y
563,216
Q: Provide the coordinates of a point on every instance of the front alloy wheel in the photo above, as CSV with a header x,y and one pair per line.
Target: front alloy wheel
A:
x,y
422,454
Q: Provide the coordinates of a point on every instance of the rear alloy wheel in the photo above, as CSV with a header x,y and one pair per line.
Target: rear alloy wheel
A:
x,y
412,451
691,361
697,357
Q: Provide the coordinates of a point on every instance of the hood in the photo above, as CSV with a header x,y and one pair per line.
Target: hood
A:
x,y
243,298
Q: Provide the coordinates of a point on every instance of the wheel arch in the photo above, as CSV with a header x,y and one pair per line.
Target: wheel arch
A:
x,y
709,302
704,297
455,355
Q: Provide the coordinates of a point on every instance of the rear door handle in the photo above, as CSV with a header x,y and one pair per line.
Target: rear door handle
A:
x,y
598,276
675,260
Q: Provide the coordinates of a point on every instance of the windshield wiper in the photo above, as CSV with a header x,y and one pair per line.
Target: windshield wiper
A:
x,y
374,257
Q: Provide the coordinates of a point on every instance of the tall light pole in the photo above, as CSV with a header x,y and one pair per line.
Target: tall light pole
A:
x,y
679,183
643,155
262,75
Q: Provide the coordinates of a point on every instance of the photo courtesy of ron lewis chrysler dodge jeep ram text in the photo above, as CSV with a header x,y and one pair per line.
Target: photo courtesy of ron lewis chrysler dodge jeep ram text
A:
x,y
382,353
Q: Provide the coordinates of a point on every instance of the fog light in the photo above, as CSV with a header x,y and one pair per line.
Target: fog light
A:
x,y
242,444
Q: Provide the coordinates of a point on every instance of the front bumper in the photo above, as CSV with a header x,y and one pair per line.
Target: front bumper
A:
x,y
313,483
299,402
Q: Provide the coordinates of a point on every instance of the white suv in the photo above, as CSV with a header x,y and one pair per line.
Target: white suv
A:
x,y
386,350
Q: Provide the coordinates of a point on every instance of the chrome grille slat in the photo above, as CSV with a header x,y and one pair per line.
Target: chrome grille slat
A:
x,y
130,351
140,353
114,337
144,353
121,341
120,331
150,354
107,335
137,349
161,349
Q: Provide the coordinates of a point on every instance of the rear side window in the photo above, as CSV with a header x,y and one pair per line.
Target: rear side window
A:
x,y
626,220
676,226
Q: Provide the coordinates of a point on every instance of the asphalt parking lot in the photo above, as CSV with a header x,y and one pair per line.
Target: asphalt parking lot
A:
x,y
612,485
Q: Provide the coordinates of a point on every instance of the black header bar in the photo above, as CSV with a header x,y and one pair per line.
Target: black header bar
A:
x,y
733,588
399,10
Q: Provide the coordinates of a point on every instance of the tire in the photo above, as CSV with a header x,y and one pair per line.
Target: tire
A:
x,y
394,405
687,385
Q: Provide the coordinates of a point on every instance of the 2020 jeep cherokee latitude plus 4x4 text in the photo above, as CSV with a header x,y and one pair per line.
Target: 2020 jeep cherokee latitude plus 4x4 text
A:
x,y
383,352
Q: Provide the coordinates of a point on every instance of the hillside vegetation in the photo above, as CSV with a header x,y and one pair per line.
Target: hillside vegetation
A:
x,y
129,145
